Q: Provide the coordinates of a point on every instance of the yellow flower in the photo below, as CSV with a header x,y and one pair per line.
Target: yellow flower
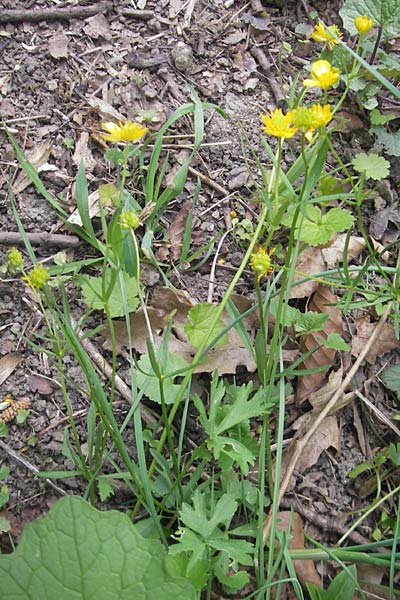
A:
x,y
278,124
323,75
37,277
14,260
303,118
320,34
321,115
124,132
129,220
363,24
261,262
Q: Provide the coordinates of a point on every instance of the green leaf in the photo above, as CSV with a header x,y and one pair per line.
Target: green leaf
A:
x,y
310,321
318,229
242,408
382,12
150,386
239,551
344,585
336,342
5,526
373,166
78,552
92,289
377,118
198,327
390,141
105,488
391,378
4,472
359,469
394,453
228,448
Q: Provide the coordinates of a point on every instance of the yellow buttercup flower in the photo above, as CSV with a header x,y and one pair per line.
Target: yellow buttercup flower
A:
x,y
323,75
123,132
14,260
303,118
363,24
321,115
278,124
320,34
37,277
261,262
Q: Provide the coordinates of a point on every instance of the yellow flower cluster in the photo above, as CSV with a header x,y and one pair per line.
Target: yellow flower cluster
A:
x,y
305,119
129,220
261,262
327,35
123,132
14,260
37,277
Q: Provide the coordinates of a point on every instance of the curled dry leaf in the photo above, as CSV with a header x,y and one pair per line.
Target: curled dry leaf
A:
x,y
386,341
323,301
38,157
7,365
305,569
174,235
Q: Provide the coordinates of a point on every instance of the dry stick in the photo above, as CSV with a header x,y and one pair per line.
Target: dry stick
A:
x,y
21,459
132,13
265,65
51,239
53,14
301,444
106,370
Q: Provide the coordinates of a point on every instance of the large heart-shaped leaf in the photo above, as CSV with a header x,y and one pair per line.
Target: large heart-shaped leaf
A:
x,y
80,553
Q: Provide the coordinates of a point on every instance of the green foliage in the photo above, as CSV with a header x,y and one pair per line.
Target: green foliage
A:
x,y
226,422
318,228
79,552
197,328
383,12
204,538
343,586
147,379
4,495
391,378
336,342
106,290
388,139
371,165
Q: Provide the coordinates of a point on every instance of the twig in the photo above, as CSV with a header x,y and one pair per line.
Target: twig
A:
x,y
265,65
18,458
53,14
378,413
105,368
301,444
51,239
144,15
212,184
211,284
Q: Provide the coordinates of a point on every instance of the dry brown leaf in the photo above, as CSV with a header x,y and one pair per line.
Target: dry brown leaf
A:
x,y
386,342
58,45
309,262
326,436
94,209
84,153
7,365
323,301
176,231
305,569
40,384
37,157
334,253
97,27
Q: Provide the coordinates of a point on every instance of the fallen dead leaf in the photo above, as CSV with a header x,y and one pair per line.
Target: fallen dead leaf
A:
x,y
40,384
334,253
97,27
327,436
309,262
323,301
7,365
38,157
83,153
386,341
305,569
176,230
105,110
94,209
58,45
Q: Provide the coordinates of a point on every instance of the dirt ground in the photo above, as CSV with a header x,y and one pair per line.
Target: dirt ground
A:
x,y
60,78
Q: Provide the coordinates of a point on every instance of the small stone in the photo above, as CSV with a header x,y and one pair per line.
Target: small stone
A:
x,y
182,56
236,259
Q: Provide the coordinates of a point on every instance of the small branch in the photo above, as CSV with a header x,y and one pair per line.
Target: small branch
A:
x,y
265,65
131,13
300,444
10,238
23,461
53,14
